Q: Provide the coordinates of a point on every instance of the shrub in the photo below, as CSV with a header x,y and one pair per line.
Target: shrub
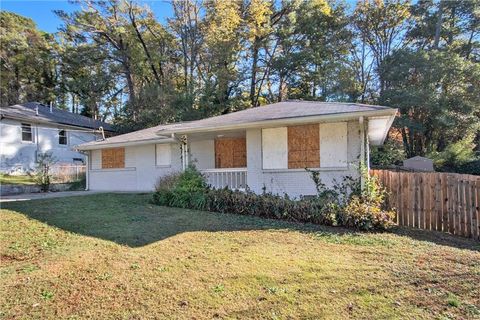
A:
x,y
43,175
367,210
185,190
342,205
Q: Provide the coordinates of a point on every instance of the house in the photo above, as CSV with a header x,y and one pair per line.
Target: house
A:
x,y
30,129
264,147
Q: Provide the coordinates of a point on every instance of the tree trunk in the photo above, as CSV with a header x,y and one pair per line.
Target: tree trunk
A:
x,y
438,27
253,83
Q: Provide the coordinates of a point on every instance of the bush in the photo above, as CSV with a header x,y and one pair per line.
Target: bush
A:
x,y
43,175
342,205
185,190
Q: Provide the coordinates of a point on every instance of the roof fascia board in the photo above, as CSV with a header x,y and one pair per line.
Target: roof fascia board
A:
x,y
125,144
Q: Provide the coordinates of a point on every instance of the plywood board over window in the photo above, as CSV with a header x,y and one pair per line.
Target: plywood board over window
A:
x,y
303,146
113,158
230,153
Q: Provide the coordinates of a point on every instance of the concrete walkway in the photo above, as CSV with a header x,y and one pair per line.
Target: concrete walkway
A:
x,y
49,195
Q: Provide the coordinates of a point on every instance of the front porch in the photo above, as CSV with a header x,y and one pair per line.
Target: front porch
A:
x,y
220,156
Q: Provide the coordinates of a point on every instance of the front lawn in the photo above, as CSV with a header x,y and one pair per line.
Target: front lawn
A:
x,y
115,256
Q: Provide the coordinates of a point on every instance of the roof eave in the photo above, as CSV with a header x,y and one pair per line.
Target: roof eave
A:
x,y
284,121
43,120
105,145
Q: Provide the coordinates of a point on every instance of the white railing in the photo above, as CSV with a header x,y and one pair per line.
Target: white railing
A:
x,y
233,178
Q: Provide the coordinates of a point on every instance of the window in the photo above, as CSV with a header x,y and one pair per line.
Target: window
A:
x,y
113,158
62,137
27,132
163,155
334,145
230,153
274,148
304,146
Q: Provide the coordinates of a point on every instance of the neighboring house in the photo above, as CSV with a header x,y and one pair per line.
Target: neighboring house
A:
x,y
266,147
30,129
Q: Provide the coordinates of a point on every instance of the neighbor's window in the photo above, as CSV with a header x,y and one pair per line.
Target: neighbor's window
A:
x,y
304,146
27,132
113,158
62,137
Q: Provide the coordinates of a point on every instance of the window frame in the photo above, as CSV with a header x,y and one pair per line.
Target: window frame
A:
x,y
115,155
64,136
168,149
28,126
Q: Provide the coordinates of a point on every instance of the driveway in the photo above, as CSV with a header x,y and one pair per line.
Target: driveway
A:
x,y
48,195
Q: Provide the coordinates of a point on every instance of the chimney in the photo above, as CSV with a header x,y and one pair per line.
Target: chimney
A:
x,y
51,107
36,110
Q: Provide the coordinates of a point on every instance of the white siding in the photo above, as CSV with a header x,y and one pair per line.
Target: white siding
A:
x,y
333,145
18,155
275,148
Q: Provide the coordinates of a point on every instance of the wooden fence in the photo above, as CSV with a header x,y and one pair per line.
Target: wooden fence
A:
x,y
445,202
67,173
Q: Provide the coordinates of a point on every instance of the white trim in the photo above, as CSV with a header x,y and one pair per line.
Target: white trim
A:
x,y
326,169
224,170
125,144
284,121
114,169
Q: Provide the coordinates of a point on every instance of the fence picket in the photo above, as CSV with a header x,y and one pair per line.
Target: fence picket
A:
x,y
434,201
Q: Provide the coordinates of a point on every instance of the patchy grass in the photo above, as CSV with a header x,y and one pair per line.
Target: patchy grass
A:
x,y
113,256
14,179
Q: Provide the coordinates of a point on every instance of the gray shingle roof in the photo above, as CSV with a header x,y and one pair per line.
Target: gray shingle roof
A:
x,y
277,111
27,112
281,110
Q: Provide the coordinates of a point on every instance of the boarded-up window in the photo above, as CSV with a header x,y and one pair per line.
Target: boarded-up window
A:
x,y
230,153
163,155
113,158
274,148
303,146
333,145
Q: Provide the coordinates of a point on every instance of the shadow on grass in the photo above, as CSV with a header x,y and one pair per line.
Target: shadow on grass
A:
x,y
130,219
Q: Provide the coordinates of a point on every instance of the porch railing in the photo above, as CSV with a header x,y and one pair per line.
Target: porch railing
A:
x,y
233,178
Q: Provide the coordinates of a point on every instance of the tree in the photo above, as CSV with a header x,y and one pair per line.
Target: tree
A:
x,y
381,26
27,66
438,95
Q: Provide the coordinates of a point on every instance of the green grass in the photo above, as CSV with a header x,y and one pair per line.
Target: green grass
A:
x,y
9,179
115,256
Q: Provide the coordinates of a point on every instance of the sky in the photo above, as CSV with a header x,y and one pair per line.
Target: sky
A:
x,y
41,11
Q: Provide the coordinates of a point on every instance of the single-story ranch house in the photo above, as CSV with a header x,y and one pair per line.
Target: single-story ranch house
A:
x,y
31,129
264,147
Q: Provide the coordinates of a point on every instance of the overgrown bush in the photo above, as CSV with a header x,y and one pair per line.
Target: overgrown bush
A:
x,y
185,190
43,175
344,204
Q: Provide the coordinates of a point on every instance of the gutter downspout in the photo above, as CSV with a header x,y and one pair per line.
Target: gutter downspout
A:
x,y
87,170
362,151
